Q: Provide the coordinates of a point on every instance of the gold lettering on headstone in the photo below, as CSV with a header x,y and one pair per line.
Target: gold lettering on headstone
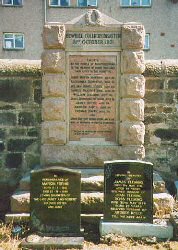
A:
x,y
92,104
128,197
55,193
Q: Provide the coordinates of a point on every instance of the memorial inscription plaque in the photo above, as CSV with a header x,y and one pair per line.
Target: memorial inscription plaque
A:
x,y
92,84
128,191
55,201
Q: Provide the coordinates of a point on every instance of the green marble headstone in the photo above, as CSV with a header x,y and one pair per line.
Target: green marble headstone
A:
x,y
55,201
128,193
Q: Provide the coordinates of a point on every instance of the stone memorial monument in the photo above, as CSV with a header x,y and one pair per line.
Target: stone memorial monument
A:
x,y
93,91
55,209
128,201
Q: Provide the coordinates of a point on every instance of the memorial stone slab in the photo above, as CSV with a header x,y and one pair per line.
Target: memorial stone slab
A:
x,y
55,201
128,191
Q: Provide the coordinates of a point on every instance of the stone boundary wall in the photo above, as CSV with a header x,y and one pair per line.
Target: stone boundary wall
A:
x,y
20,119
161,116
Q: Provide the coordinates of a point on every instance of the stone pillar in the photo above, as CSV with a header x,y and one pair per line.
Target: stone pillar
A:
x,y
132,89
54,86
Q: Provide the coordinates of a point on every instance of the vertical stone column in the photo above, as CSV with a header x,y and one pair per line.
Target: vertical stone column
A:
x,y
132,89
54,86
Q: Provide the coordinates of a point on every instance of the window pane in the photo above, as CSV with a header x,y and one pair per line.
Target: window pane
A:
x,y
135,2
8,35
147,42
7,1
19,41
92,2
82,3
9,44
53,2
17,2
146,2
64,2
125,2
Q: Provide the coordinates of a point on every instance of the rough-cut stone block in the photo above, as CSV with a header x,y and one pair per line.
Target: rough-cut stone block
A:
x,y
95,183
133,36
53,109
24,184
132,62
163,230
54,133
77,155
20,202
53,61
92,202
158,183
163,204
54,85
132,86
132,109
53,36
132,133
17,218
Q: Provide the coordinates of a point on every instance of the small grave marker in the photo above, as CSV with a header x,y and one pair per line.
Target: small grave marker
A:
x,y
128,191
55,209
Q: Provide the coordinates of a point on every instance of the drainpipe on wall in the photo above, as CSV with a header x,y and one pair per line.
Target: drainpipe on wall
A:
x,y
45,11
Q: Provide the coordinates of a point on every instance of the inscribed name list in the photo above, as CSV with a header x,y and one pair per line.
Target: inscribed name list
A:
x,y
92,97
128,193
55,192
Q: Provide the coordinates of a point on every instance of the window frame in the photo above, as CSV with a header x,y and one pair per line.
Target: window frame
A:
x,y
147,48
59,5
12,4
135,6
14,34
87,6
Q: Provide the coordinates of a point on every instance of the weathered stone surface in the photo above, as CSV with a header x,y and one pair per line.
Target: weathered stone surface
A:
x,y
20,202
17,67
92,202
131,109
53,109
163,204
24,184
133,36
77,155
54,85
53,36
158,183
17,218
95,183
132,86
132,133
132,62
54,133
53,61
163,230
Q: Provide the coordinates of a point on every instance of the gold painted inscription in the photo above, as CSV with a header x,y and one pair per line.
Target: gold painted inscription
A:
x,y
92,97
128,201
100,40
55,193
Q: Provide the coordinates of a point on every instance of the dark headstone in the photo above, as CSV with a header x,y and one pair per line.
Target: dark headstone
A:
x,y
128,191
55,202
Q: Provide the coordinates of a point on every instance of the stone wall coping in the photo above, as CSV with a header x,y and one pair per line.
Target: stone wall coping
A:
x,y
161,68
17,67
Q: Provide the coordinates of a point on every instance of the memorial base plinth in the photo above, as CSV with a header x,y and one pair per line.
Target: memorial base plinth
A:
x,y
163,230
38,242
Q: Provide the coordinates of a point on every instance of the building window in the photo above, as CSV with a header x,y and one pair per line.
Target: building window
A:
x,y
87,3
13,41
147,42
12,2
135,3
62,3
